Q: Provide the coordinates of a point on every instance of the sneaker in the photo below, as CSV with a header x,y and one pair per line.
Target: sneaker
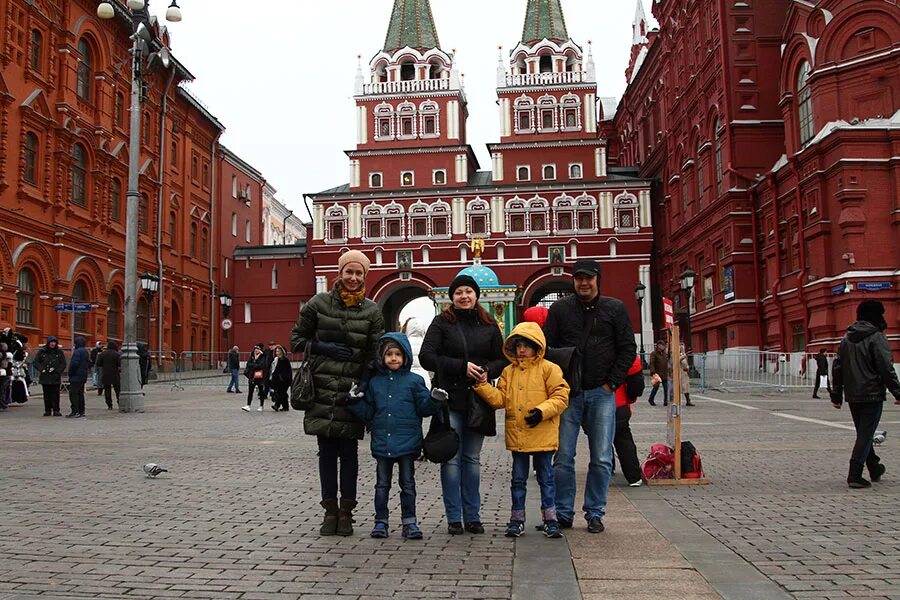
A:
x,y
380,531
552,530
595,525
455,529
78,416
259,409
71,414
243,408
475,527
637,483
515,529
411,532
876,473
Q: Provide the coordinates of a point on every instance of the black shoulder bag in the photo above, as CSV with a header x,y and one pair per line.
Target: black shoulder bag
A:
x,y
480,417
442,442
302,390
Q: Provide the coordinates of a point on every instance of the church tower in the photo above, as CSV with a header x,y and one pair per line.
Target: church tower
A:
x,y
548,105
411,110
640,43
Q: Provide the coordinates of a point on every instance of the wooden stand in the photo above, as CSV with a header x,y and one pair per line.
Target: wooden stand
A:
x,y
673,422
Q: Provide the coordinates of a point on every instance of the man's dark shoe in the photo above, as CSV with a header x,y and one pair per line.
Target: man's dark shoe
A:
x,y
475,527
47,414
816,397
652,403
595,525
455,529
564,523
71,414
876,473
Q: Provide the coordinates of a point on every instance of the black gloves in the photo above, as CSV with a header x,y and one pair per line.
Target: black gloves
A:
x,y
534,417
634,386
333,350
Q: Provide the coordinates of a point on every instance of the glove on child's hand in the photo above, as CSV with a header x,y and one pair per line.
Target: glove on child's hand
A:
x,y
355,395
440,395
534,417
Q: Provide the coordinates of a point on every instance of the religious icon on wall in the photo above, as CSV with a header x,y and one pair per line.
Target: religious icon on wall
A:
x,y
404,260
557,255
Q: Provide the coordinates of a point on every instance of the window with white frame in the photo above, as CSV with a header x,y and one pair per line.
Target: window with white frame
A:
x,y
384,122
564,214
372,223
336,224
547,113
524,115
393,222
586,214
478,214
407,179
439,176
247,232
548,172
571,112
234,186
538,216
626,213
440,219
575,171
516,216
523,173
418,221
375,180
429,117
234,224
406,121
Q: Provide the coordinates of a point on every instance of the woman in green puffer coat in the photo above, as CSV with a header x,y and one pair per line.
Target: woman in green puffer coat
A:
x,y
341,328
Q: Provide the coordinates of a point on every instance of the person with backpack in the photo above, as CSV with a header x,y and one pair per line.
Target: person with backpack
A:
x,y
50,363
623,442
862,373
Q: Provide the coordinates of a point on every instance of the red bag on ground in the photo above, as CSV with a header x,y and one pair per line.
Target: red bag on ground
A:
x,y
660,463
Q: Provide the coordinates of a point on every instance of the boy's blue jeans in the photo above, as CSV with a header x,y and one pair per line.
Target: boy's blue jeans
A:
x,y
384,472
594,411
461,475
543,467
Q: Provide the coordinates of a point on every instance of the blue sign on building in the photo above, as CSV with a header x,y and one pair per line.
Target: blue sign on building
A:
x,y
68,307
874,286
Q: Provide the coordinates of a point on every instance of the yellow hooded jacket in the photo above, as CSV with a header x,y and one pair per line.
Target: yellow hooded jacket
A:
x,y
525,384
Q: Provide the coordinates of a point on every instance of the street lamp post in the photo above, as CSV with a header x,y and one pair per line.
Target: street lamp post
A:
x,y
225,301
687,284
149,285
639,291
131,398
284,227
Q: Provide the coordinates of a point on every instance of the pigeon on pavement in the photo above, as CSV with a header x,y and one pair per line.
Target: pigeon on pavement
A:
x,y
152,470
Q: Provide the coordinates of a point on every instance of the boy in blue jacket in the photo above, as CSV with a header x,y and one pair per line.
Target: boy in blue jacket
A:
x,y
393,404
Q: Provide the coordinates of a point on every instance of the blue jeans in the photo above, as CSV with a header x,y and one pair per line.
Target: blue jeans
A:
x,y
235,382
594,411
461,475
543,467
384,472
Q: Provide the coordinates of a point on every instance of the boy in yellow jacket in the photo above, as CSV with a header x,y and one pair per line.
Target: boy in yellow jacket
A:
x,y
534,394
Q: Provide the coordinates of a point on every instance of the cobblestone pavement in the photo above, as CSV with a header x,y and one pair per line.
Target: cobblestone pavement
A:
x,y
779,496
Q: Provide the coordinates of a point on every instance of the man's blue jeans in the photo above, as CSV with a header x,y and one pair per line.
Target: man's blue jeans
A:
x,y
384,472
594,411
235,383
461,475
543,467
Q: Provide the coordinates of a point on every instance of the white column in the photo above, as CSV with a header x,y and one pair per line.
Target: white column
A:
x,y
590,113
459,216
426,255
646,219
462,168
321,284
498,214
497,160
318,222
598,163
362,125
354,220
453,120
603,161
646,314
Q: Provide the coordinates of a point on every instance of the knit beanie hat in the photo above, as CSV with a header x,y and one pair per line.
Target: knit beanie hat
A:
x,y
464,280
353,256
871,311
388,345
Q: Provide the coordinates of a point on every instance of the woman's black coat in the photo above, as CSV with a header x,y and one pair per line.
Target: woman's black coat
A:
x,y
256,363
443,352
280,380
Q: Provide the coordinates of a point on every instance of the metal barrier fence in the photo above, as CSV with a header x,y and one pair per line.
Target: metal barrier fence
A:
x,y
749,369
210,369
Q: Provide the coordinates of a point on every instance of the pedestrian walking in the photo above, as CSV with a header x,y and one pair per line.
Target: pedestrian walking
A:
x,y
684,382
257,376
601,329
280,379
110,362
626,395
463,346
534,394
342,327
143,362
95,370
78,374
393,405
6,359
862,373
234,367
821,373
658,364
50,363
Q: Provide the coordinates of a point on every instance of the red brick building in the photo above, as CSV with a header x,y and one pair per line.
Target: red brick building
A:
x,y
771,129
64,102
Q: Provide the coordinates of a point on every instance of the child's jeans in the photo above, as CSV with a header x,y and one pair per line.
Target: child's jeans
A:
x,y
384,472
543,467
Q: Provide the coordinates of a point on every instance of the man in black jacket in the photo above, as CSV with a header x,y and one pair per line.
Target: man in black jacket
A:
x,y
821,371
601,329
862,372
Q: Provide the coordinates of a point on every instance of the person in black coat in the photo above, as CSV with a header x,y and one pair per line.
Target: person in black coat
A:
x,y
143,362
463,346
110,363
280,376
78,374
821,371
50,363
95,376
234,367
269,353
257,376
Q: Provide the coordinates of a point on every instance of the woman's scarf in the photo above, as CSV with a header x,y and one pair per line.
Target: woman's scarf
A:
x,y
351,298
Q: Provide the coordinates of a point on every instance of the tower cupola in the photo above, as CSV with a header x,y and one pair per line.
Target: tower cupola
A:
x,y
546,55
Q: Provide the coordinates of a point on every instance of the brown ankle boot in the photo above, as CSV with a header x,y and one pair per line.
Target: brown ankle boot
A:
x,y
329,525
345,517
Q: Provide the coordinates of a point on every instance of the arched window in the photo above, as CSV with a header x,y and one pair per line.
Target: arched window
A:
x,y
407,70
586,212
430,123
25,299
804,104
144,214
571,112
547,110
538,216
549,172
37,47
523,173
115,201
78,175
31,158
193,240
516,217
173,220
546,64
83,82
384,122
478,218
372,222
406,120
719,170
564,213
375,180
204,240
393,222
440,219
701,178
114,316
626,213
524,109
143,319
120,109
418,220
79,296
336,224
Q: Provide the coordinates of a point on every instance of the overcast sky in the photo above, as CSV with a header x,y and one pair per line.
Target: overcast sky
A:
x,y
279,74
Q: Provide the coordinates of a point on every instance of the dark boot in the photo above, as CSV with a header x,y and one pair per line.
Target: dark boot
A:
x,y
688,398
855,479
876,469
345,517
329,525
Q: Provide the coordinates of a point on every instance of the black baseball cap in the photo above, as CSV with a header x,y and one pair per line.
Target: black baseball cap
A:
x,y
586,267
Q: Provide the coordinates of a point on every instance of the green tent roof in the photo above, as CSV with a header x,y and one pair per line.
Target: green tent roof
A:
x,y
544,19
411,25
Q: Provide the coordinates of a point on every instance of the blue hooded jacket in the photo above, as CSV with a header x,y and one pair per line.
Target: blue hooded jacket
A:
x,y
79,363
394,404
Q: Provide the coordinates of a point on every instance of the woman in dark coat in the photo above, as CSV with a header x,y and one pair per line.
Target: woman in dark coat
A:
x,y
465,328
257,376
342,327
110,363
280,379
50,363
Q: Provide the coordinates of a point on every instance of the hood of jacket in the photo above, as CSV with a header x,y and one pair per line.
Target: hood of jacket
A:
x,y
415,328
860,330
529,331
50,340
79,342
403,342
